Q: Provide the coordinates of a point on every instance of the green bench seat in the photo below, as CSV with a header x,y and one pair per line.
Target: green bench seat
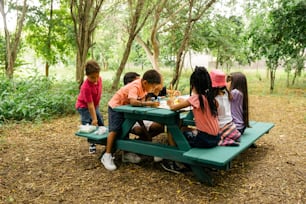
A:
x,y
221,156
94,138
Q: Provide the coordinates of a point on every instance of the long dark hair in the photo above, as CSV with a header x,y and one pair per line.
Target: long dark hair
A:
x,y
201,82
224,89
239,81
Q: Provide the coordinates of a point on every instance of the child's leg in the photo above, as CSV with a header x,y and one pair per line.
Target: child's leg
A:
x,y
86,119
140,130
110,141
99,117
171,140
155,129
107,159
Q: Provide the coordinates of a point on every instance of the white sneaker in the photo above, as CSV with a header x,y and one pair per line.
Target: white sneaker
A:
x,y
158,159
130,157
108,161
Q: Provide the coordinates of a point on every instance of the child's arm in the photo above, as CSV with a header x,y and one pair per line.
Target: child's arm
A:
x,y
92,111
182,104
135,102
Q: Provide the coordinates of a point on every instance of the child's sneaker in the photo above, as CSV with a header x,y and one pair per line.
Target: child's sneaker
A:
x,y
130,157
171,166
157,159
108,161
92,148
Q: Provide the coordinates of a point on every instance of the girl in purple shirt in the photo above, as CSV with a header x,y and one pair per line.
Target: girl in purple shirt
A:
x,y
237,85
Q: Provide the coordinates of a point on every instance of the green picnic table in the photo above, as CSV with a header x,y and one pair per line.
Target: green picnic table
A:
x,y
219,157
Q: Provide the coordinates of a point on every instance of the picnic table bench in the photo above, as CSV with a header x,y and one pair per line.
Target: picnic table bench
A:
x,y
219,157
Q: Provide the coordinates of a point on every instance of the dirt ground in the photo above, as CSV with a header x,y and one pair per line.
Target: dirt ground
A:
x,y
46,163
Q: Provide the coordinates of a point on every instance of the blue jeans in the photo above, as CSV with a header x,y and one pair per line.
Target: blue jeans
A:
x,y
86,118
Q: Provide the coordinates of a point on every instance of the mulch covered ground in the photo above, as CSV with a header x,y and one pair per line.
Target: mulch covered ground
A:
x,y
46,163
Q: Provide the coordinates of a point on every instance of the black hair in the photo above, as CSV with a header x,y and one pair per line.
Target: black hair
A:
x,y
224,89
152,76
91,66
201,82
129,77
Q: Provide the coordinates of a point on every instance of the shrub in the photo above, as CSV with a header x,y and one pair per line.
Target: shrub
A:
x,y
36,98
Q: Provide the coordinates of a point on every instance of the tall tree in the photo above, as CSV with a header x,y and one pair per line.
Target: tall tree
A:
x,y
279,35
139,13
196,9
290,23
162,14
84,15
12,39
50,32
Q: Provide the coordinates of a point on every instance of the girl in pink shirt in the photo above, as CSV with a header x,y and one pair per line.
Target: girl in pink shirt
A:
x,y
204,111
205,116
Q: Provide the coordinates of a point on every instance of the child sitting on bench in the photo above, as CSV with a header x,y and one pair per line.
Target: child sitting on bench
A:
x,y
229,134
133,93
205,115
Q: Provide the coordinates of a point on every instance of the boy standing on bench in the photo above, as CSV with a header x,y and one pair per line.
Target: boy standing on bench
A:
x,y
89,97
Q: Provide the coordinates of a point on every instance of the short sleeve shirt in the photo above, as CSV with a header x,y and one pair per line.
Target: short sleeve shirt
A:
x,y
204,121
133,90
236,108
89,92
224,110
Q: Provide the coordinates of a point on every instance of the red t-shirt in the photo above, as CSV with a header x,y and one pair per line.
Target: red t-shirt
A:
x,y
89,92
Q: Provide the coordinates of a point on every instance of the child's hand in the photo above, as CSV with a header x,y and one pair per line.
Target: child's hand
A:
x,y
94,122
176,93
170,101
179,100
155,104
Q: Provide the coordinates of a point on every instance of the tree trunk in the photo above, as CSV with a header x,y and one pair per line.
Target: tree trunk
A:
x,y
183,46
12,44
134,29
122,64
146,49
272,79
294,76
218,58
47,69
49,39
84,14
288,78
187,31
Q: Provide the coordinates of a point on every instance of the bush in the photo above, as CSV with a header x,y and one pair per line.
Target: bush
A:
x,y
36,98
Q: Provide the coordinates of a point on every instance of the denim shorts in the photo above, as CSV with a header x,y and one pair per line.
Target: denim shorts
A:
x,y
86,118
115,120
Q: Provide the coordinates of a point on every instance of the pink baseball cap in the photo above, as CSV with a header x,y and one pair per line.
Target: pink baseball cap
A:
x,y
218,78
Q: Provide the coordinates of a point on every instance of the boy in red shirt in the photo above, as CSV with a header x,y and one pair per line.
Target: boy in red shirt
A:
x,y
89,97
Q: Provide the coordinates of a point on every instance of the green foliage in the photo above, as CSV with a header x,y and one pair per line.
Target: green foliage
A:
x,y
36,98
138,56
52,39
